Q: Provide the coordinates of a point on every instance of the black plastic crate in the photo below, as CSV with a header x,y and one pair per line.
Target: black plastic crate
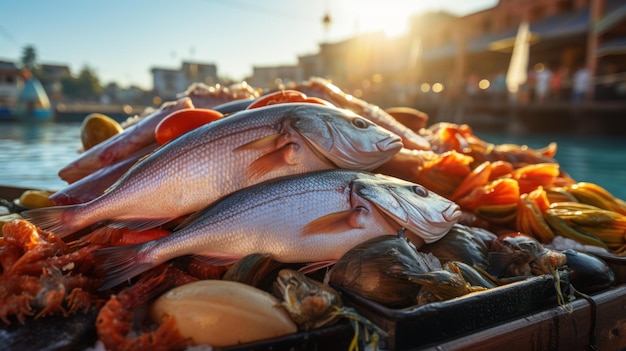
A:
x,y
415,327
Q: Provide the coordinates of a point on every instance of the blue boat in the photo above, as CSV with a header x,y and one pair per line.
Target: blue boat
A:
x,y
33,104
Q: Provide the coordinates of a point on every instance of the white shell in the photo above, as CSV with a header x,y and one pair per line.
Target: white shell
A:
x,y
223,313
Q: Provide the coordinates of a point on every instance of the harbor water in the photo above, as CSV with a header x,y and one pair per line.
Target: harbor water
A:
x,y
32,154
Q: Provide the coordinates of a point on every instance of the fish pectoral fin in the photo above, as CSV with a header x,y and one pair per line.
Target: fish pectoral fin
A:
x,y
275,150
334,223
268,162
316,266
265,144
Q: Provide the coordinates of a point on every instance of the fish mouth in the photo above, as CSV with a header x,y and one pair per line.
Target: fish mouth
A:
x,y
452,213
391,143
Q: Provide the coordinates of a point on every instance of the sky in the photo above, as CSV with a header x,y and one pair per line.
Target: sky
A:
x,y
122,40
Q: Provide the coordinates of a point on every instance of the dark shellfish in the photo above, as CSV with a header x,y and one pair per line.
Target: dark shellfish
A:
x,y
588,273
515,254
464,244
373,270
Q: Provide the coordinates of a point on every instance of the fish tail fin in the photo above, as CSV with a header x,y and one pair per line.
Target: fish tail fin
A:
x,y
56,219
121,263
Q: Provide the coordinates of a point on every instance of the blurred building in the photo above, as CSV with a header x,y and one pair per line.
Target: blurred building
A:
x,y
565,36
11,84
275,76
447,56
167,83
52,76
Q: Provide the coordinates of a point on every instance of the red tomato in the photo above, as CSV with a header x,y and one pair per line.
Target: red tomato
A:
x,y
284,96
128,236
182,121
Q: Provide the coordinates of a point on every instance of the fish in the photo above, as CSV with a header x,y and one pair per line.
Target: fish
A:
x,y
95,184
210,96
243,149
120,146
326,90
312,218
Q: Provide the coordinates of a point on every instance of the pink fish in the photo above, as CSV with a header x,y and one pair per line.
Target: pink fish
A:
x,y
95,184
120,146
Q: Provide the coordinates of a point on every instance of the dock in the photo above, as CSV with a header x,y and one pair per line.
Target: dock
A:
x,y
599,118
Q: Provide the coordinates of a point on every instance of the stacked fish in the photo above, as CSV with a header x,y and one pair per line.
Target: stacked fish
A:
x,y
308,177
290,180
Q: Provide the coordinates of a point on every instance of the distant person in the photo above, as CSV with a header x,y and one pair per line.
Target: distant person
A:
x,y
471,88
556,83
581,84
499,86
543,75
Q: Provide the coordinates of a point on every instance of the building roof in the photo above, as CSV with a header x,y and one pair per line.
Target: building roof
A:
x,y
569,24
157,69
8,66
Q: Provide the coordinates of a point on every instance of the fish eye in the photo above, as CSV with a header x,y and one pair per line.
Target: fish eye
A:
x,y
359,123
420,190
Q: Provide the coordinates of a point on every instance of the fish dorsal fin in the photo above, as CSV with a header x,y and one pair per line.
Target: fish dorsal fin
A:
x,y
334,223
217,260
139,224
190,218
316,266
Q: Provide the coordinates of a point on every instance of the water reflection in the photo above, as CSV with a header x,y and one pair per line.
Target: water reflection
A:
x,y
31,154
33,133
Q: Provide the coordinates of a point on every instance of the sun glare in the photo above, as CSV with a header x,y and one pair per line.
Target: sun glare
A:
x,y
390,16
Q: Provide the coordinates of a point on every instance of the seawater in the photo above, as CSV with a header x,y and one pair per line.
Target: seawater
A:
x,y
32,154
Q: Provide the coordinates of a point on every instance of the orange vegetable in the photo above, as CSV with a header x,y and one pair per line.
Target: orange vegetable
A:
x,y
478,177
183,121
504,191
533,176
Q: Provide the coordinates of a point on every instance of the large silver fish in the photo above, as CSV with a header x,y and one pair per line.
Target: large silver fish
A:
x,y
216,159
308,218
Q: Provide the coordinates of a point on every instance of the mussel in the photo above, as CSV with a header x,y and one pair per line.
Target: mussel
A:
x,y
464,244
373,270
588,273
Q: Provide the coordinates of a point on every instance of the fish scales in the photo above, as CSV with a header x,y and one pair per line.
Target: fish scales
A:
x,y
247,223
195,164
